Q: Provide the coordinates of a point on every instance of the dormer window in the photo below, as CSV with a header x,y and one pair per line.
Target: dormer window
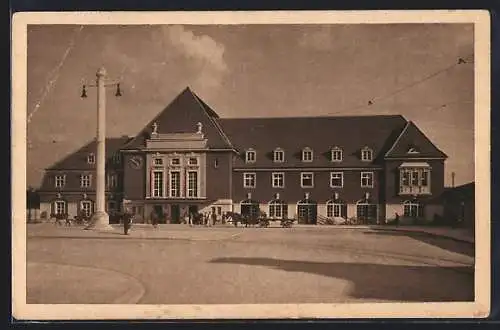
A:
x,y
307,155
279,155
91,158
366,154
250,156
336,155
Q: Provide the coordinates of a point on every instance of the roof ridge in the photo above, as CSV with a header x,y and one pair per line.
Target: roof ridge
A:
x,y
309,117
145,127
398,138
212,120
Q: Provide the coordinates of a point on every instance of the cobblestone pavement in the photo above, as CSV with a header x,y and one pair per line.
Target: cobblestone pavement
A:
x,y
182,265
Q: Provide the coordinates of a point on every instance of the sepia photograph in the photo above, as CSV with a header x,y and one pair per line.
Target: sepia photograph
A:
x,y
251,165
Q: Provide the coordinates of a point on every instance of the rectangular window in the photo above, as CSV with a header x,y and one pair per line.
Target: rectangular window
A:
x,y
193,161
336,155
60,181
158,162
60,207
192,184
216,163
175,184
334,210
112,181
279,156
366,155
87,208
175,161
91,159
117,159
425,178
307,180
278,180
336,179
157,184
367,179
307,155
414,180
249,180
85,180
250,156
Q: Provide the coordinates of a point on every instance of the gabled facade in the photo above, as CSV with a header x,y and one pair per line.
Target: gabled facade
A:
x,y
187,159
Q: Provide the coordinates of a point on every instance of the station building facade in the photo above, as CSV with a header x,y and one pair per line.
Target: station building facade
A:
x,y
188,159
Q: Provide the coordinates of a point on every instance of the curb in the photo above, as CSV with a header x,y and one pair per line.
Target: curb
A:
x,y
405,230
134,293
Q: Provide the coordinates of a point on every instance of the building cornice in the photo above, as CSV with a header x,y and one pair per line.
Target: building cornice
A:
x,y
131,151
302,169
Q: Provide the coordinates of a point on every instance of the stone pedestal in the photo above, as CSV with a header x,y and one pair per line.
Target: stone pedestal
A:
x,y
99,222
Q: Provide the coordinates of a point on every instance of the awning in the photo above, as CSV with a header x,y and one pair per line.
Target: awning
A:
x,y
415,164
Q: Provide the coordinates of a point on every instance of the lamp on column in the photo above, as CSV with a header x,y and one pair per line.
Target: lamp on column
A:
x,y
100,219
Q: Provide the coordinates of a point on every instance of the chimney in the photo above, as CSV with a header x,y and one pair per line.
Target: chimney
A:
x,y
453,179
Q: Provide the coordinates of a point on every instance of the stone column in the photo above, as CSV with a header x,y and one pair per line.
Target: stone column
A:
x,y
100,219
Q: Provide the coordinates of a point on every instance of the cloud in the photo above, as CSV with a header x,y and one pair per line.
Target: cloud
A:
x,y
207,55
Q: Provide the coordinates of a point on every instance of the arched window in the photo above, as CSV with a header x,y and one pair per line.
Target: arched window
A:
x,y
86,207
278,209
413,209
307,211
336,209
366,210
59,206
250,208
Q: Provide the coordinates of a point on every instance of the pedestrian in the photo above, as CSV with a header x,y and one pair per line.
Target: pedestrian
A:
x,y
396,220
154,219
127,222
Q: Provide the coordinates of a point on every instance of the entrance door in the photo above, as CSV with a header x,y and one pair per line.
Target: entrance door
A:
x,y
307,213
175,213
158,209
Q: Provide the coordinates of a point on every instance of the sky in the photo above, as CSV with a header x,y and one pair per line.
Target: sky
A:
x,y
251,71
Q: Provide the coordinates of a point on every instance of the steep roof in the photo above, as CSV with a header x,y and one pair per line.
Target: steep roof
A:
x,y
181,116
413,143
350,133
78,159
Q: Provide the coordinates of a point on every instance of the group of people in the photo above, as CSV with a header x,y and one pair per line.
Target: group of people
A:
x,y
208,219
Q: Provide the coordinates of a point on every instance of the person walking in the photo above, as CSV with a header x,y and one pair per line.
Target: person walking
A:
x,y
127,222
154,219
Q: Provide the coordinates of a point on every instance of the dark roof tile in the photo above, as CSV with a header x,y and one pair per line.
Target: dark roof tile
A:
x,y
181,116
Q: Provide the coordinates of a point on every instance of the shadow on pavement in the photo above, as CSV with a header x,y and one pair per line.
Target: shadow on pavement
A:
x,y
383,282
438,241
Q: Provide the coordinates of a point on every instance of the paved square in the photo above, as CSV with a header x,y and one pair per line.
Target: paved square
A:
x,y
227,265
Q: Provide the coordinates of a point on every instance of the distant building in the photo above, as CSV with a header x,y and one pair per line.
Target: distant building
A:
x,y
188,159
459,205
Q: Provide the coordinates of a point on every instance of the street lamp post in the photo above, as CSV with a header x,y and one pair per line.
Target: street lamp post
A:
x,y
100,219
